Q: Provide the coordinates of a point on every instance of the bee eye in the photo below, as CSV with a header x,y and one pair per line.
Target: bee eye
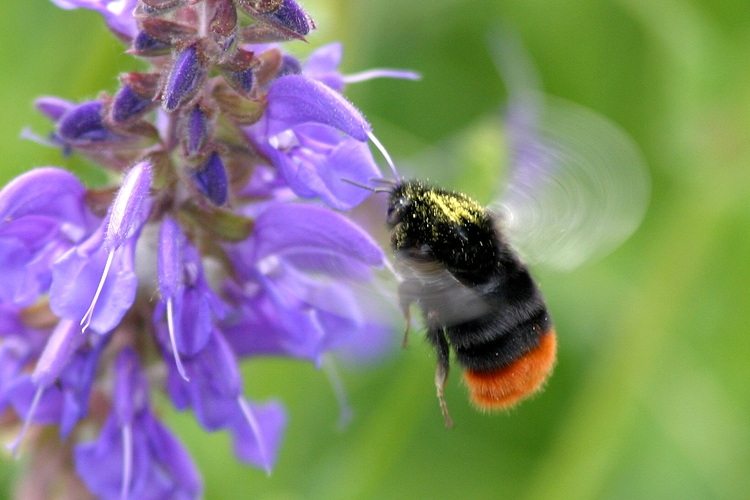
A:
x,y
396,210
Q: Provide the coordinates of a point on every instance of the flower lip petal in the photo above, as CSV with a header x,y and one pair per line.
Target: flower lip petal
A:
x,y
118,14
131,387
296,228
45,191
53,107
325,59
296,99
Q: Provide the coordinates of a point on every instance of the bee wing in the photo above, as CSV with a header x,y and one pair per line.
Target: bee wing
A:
x,y
433,287
578,185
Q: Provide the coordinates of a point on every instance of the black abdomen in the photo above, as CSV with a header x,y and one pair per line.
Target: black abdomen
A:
x,y
514,325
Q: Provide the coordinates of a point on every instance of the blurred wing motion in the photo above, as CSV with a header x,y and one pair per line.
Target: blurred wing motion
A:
x,y
578,185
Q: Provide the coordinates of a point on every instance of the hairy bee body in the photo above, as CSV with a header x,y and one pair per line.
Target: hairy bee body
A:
x,y
475,294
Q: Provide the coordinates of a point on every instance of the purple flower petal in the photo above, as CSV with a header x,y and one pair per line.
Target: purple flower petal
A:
x,y
64,341
324,59
117,13
131,395
324,173
49,409
44,191
322,65
296,100
257,433
161,467
76,276
292,228
53,107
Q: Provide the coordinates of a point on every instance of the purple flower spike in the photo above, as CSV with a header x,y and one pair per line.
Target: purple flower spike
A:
x,y
135,455
184,79
128,105
212,180
215,139
84,124
295,100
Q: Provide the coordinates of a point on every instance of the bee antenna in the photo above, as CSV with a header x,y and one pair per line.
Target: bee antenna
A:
x,y
380,180
385,154
365,186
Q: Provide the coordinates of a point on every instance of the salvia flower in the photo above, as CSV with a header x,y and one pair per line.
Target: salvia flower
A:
x,y
220,239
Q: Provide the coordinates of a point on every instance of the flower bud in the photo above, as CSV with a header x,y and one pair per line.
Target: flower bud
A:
x,y
84,123
128,104
212,180
291,16
146,45
196,131
184,79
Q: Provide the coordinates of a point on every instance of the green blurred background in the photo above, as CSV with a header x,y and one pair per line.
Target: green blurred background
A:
x,y
651,395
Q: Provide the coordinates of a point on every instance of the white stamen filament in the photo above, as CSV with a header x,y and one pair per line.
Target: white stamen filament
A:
x,y
127,461
256,431
13,447
86,321
385,154
173,340
337,384
380,73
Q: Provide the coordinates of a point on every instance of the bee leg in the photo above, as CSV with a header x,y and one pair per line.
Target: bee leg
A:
x,y
404,302
436,335
407,316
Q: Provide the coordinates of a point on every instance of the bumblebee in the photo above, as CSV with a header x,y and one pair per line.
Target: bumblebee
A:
x,y
576,187
476,295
